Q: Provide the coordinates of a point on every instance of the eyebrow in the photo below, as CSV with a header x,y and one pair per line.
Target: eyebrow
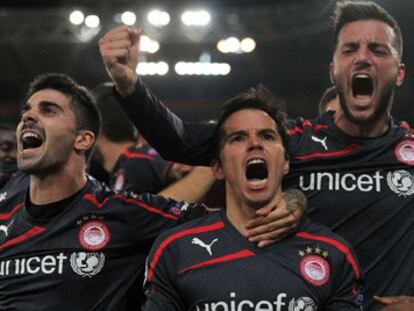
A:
x,y
43,104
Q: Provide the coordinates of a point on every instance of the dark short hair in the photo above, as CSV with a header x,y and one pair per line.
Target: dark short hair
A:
x,y
329,94
352,11
116,125
254,98
82,102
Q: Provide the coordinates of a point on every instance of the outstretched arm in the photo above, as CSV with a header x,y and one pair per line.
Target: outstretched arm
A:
x,y
175,140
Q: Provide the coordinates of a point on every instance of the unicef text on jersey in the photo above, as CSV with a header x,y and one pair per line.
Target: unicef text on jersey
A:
x,y
400,182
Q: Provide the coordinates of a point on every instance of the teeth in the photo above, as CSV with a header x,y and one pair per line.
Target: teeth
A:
x,y
255,161
362,76
30,134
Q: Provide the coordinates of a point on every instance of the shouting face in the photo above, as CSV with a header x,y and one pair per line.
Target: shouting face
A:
x,y
252,158
366,69
46,133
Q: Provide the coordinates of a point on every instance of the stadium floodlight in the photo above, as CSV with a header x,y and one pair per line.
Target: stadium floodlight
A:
x,y
200,68
158,18
128,18
247,45
196,18
148,45
76,17
151,68
92,21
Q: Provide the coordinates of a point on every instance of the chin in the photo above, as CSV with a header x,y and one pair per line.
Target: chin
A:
x,y
258,203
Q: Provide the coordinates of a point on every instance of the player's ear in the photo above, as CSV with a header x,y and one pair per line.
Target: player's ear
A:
x,y
217,169
84,140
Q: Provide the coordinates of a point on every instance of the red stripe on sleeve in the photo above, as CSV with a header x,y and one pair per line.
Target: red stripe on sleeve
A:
x,y
23,237
136,155
242,254
180,234
132,201
350,149
349,257
5,216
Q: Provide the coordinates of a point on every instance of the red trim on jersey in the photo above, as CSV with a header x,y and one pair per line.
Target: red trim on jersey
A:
x,y
23,237
5,216
299,129
94,200
149,208
180,234
350,149
136,155
349,257
166,170
242,254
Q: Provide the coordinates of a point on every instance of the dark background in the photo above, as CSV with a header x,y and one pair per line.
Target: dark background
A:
x,y
294,47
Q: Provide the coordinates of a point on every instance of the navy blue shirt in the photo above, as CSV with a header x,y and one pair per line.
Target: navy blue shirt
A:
x,y
207,264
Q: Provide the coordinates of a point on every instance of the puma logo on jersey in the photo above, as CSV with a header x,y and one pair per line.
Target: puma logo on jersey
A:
x,y
321,141
3,196
198,242
5,229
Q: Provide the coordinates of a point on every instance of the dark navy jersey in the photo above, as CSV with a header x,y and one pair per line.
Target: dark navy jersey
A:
x,y
362,189
88,255
207,265
17,183
140,170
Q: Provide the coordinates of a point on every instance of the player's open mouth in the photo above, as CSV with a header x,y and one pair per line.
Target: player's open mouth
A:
x,y
31,140
362,86
256,172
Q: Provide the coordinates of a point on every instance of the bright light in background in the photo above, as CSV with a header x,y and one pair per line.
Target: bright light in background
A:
x,y
206,69
128,18
149,45
247,45
92,21
76,17
158,18
196,18
233,45
151,69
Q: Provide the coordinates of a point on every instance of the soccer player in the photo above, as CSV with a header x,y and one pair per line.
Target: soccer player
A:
x,y
208,264
355,164
69,243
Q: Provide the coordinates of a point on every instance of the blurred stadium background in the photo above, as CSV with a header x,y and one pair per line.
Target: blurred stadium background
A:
x,y
287,46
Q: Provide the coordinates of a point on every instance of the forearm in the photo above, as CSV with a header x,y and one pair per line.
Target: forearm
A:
x,y
174,139
191,188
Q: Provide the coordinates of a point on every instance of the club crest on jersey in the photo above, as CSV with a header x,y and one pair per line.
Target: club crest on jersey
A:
x,y
404,151
94,235
302,304
87,264
401,182
314,267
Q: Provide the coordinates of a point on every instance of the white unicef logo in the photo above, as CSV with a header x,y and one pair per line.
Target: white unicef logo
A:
x,y
87,264
401,182
302,304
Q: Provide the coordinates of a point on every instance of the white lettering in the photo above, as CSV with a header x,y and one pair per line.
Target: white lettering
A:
x,y
322,181
48,264
245,305
29,268
48,261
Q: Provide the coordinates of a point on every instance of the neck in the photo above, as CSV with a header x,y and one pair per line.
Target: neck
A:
x,y
111,151
370,130
239,212
46,189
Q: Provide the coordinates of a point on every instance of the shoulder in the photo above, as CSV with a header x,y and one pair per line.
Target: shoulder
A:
x,y
205,224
